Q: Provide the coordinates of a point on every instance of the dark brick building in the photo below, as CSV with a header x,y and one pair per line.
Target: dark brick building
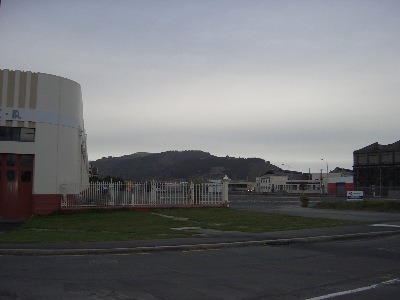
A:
x,y
377,170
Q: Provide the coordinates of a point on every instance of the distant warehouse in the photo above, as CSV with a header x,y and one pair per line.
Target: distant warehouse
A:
x,y
377,170
42,141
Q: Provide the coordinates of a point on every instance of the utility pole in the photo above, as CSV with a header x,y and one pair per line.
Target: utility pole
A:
x,y
326,174
320,181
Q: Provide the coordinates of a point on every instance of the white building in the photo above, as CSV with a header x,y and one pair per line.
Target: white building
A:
x,y
292,183
42,142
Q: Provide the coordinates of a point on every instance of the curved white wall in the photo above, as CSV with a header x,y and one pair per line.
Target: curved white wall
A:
x,y
53,106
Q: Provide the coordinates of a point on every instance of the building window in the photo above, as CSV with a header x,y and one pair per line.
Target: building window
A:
x,y
11,160
373,158
26,160
10,176
26,176
387,157
27,135
361,159
17,134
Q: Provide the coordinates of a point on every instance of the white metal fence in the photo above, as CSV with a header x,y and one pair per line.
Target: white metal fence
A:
x,y
150,193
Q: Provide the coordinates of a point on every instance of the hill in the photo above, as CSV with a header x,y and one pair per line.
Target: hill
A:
x,y
190,165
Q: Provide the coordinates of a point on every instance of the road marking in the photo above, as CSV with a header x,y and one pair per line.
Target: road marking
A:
x,y
384,225
361,289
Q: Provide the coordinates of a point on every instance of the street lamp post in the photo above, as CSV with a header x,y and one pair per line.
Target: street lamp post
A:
x,y
320,181
326,174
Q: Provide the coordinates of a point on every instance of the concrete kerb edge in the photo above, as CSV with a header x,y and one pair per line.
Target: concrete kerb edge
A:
x,y
197,247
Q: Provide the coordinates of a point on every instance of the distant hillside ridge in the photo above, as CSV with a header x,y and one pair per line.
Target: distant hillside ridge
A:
x,y
189,165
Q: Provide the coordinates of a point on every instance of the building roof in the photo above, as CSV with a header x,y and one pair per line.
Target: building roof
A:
x,y
343,171
379,148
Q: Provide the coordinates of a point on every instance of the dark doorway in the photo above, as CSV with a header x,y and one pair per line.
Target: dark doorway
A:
x,y
16,178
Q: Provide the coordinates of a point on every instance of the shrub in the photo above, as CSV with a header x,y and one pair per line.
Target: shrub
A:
x,y
304,200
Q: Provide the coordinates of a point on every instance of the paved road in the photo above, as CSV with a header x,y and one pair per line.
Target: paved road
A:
x,y
290,206
350,269
296,271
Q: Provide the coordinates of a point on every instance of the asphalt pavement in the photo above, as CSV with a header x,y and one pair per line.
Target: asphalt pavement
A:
x,y
379,224
290,206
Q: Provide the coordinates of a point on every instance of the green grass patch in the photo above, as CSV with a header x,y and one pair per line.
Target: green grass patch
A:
x,y
94,226
227,219
133,225
365,205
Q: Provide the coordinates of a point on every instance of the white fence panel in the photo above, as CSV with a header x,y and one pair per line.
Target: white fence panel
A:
x,y
151,193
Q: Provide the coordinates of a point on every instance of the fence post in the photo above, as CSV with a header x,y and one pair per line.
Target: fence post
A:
x,y
192,192
133,192
64,195
225,191
153,193
111,191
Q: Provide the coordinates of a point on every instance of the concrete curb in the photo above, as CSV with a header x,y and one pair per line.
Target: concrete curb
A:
x,y
198,247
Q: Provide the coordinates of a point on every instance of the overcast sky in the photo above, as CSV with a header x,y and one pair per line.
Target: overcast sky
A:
x,y
287,81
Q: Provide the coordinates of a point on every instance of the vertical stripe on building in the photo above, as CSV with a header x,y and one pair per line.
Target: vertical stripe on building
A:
x,y
22,90
10,89
33,91
1,86
28,89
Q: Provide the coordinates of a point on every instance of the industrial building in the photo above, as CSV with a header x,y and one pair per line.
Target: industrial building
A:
x,y
377,170
42,142
337,182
